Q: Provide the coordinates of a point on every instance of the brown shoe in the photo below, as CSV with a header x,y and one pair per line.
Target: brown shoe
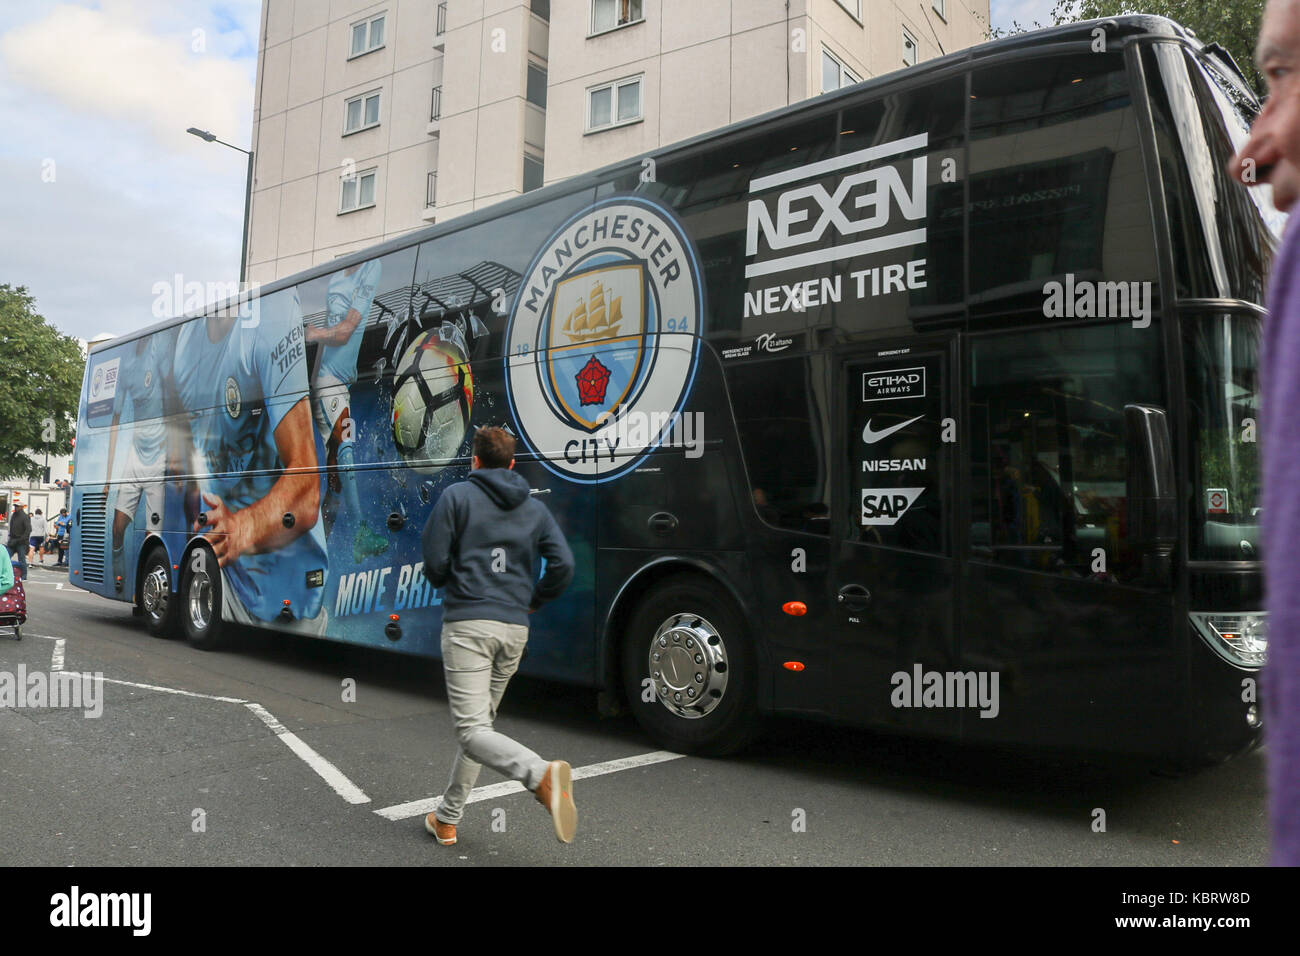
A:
x,y
444,832
555,793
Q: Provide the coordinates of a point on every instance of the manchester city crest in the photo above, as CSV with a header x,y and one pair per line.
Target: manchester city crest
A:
x,y
605,327
234,401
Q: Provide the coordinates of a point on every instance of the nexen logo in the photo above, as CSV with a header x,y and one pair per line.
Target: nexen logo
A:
x,y
872,191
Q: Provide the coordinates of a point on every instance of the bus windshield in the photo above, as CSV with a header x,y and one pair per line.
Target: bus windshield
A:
x,y
1222,354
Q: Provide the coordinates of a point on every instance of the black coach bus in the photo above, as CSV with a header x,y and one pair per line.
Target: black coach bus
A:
x,y
927,404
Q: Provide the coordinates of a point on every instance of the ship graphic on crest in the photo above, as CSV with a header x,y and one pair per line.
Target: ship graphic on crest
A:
x,y
591,319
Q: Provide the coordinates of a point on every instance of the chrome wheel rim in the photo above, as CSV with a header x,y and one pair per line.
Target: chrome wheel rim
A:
x,y
688,665
154,593
200,600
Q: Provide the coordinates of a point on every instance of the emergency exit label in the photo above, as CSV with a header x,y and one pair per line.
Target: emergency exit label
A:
x,y
1216,501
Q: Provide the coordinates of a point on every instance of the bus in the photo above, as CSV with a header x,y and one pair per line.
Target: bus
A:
x,y
928,405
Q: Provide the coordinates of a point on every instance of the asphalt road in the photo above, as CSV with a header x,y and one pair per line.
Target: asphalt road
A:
x,y
177,779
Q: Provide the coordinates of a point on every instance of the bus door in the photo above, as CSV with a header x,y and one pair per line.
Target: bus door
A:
x,y
892,577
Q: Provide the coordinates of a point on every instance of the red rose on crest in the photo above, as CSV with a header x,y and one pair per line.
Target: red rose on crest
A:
x,y
592,382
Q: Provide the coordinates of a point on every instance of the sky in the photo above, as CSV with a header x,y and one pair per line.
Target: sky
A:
x,y
107,199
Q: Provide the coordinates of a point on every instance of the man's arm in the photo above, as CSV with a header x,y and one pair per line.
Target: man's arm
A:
x,y
336,335
438,541
559,563
259,527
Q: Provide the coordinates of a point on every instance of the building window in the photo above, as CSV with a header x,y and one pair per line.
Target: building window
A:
x,y
542,8
533,173
431,190
441,26
614,104
358,192
537,86
909,48
853,6
367,35
940,7
435,104
361,112
835,74
610,14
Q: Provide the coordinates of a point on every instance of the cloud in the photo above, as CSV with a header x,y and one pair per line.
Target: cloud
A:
x,y
114,62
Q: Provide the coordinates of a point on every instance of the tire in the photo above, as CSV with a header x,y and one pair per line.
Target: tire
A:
x,y
702,636
200,601
157,603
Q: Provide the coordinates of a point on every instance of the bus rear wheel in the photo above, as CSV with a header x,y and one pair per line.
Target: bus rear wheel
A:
x,y
157,603
689,670
200,601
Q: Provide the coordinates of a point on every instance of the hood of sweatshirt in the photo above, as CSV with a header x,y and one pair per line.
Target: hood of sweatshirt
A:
x,y
507,489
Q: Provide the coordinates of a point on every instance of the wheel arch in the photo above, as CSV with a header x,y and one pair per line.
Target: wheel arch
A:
x,y
637,585
151,538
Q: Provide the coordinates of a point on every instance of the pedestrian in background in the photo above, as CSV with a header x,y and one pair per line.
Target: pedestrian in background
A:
x,y
20,532
62,528
481,546
36,538
1272,155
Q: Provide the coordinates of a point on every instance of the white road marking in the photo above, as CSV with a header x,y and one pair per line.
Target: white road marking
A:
x,y
341,785
416,808
331,774
173,690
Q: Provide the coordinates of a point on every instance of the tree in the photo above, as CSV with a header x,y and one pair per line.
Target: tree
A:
x,y
40,386
1233,24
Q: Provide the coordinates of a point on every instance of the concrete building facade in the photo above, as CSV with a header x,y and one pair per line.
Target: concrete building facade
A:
x,y
376,118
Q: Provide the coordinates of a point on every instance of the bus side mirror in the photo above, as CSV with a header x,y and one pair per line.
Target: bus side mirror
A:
x,y
1152,499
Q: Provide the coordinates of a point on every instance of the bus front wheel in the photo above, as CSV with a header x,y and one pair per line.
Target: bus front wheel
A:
x,y
157,602
689,670
200,601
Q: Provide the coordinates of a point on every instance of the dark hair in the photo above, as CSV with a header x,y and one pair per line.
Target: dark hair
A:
x,y
494,447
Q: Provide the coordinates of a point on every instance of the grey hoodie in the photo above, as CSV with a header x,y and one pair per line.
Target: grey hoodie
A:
x,y
481,547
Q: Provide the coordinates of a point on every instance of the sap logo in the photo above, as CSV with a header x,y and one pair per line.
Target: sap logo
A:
x,y
884,506
862,201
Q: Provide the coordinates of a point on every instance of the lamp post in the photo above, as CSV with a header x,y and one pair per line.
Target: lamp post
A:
x,y
248,193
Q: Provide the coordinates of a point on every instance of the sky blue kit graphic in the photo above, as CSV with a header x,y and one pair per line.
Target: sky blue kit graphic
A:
x,y
347,293
245,374
140,395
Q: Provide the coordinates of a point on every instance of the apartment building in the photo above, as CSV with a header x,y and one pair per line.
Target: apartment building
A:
x,y
373,119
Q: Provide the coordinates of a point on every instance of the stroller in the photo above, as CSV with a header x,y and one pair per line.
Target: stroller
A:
x,y
13,609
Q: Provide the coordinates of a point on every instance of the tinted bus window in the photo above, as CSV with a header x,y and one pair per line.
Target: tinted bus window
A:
x,y
1057,183
781,413
1221,240
1048,454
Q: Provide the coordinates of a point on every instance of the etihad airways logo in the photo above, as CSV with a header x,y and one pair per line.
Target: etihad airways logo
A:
x,y
877,200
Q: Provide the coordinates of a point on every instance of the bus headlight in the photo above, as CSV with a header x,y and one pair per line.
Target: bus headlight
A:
x,y
1240,638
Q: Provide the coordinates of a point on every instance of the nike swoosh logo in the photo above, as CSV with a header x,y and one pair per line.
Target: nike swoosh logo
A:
x,y
871,437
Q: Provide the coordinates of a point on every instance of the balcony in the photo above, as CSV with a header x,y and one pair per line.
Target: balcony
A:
x,y
431,197
435,112
440,30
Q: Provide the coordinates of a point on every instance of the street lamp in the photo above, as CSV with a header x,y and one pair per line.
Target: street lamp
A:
x,y
248,192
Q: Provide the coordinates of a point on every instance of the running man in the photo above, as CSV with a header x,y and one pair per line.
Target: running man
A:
x,y
347,301
139,385
240,379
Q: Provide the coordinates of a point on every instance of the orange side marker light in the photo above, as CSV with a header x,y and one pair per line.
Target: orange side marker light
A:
x,y
795,608
794,665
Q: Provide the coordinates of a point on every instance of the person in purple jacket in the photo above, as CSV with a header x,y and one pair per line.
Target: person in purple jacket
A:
x,y
1272,155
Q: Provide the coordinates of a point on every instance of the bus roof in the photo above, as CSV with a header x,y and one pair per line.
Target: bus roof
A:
x,y
1123,28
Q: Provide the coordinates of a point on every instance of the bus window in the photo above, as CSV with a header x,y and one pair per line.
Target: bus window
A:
x,y
1057,185
781,416
1048,455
